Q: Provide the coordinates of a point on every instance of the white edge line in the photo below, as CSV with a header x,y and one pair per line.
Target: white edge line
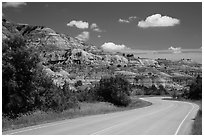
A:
x,y
184,118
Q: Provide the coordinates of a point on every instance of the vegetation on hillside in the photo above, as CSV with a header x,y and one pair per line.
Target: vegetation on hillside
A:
x,y
18,69
197,126
114,89
194,92
152,90
25,87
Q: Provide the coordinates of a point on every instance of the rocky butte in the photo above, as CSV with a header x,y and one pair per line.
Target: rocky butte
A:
x,y
67,59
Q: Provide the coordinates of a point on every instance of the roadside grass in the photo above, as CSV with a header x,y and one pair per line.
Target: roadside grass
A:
x,y
85,109
197,125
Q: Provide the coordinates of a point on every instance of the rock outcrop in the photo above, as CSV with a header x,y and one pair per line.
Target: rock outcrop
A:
x,y
68,59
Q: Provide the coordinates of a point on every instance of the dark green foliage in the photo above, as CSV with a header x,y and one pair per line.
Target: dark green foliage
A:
x,y
174,94
41,85
86,94
78,83
25,87
114,89
162,90
196,89
58,99
47,96
18,64
153,90
197,125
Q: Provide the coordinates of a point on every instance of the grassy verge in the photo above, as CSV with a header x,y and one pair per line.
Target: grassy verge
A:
x,y
40,117
197,125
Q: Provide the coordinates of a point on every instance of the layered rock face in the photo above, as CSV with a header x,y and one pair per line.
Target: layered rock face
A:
x,y
68,59
61,51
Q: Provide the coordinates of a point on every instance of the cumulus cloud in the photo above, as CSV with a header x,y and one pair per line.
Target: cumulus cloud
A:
x,y
13,4
79,24
110,46
95,27
175,49
84,36
99,36
157,20
123,21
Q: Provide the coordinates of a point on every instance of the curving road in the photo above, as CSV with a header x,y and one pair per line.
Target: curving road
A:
x,y
163,117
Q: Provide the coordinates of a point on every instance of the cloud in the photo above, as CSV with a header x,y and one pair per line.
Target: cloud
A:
x,y
123,21
84,36
131,18
157,20
175,49
95,27
99,36
78,24
97,30
110,46
13,4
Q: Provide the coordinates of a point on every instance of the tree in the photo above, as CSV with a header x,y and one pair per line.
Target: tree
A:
x,y
196,89
18,65
114,89
162,90
78,83
153,90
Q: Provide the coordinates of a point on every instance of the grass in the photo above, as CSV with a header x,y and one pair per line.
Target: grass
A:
x,y
40,117
197,125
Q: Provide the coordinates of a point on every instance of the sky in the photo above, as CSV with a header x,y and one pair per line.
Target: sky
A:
x,y
149,26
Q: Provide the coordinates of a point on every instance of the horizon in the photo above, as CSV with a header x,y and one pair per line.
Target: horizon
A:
x,y
143,27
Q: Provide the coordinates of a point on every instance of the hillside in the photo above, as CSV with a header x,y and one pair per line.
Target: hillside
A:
x,y
67,59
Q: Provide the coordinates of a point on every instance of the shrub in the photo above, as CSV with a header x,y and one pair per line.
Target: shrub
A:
x,y
114,89
162,90
196,89
86,94
18,65
57,99
174,94
78,83
25,87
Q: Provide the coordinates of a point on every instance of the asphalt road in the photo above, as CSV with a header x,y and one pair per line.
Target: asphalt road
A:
x,y
163,117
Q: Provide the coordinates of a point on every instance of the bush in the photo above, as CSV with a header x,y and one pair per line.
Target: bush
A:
x,y
162,90
57,99
114,89
196,89
86,94
18,65
25,87
78,83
